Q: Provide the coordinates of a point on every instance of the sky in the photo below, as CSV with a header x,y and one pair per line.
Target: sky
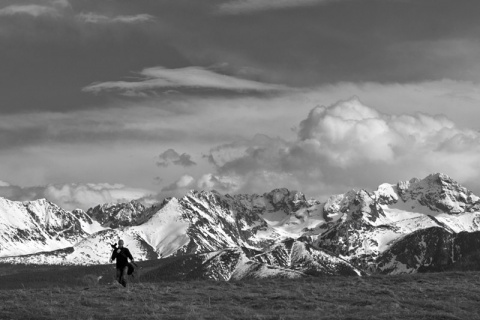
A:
x,y
114,100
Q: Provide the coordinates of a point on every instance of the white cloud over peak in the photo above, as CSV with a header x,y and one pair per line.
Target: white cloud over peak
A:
x,y
84,196
349,144
179,187
4,184
261,152
76,195
348,133
210,181
158,78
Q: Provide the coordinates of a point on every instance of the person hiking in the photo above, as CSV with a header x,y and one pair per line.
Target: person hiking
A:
x,y
121,254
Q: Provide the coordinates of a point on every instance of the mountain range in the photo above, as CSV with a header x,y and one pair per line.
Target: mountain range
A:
x,y
428,224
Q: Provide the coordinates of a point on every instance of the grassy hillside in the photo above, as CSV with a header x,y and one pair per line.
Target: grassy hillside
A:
x,y
74,293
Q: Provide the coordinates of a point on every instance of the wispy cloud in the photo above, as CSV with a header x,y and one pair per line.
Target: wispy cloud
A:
x,y
58,8
36,9
245,6
30,9
92,17
157,78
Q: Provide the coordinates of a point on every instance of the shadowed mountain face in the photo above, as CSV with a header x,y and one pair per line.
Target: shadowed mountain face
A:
x,y
226,264
412,226
119,215
432,249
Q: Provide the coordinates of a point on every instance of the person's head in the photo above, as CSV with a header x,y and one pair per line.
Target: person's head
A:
x,y
120,243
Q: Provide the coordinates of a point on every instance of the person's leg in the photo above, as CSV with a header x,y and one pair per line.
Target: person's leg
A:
x,y
124,276
118,275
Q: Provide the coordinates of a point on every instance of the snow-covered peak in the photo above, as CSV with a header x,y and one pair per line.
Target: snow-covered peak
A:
x,y
32,226
386,193
353,205
203,196
440,193
337,205
287,201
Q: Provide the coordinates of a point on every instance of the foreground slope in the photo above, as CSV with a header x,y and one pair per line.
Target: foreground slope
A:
x,y
69,295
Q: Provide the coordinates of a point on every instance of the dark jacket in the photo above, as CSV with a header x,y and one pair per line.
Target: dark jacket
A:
x,y
121,255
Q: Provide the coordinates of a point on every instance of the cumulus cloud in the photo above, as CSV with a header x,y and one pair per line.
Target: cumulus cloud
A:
x,y
349,144
349,133
92,17
156,78
219,183
157,180
171,156
88,195
183,184
73,196
17,193
261,153
4,184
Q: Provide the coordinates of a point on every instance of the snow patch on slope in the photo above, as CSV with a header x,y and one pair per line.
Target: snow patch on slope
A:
x,y
166,230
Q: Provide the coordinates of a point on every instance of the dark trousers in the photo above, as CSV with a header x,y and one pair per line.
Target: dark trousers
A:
x,y
121,275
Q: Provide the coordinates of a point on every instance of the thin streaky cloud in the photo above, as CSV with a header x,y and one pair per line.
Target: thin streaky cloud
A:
x,y
92,17
30,9
61,3
190,77
245,6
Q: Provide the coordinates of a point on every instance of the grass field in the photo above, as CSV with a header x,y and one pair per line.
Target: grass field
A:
x,y
46,294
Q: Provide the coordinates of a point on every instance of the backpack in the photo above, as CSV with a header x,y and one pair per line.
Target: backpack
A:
x,y
131,269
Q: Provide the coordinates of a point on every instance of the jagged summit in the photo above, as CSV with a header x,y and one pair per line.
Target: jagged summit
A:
x,y
115,215
438,192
